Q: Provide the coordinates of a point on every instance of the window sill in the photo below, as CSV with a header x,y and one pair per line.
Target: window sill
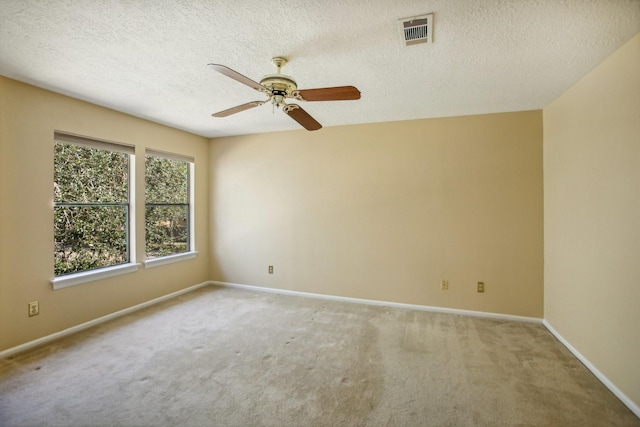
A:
x,y
169,259
90,276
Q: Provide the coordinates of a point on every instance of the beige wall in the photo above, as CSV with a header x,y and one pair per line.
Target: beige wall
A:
x,y
386,211
592,217
28,118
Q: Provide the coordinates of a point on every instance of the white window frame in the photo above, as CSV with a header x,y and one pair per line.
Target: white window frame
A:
x,y
191,250
73,279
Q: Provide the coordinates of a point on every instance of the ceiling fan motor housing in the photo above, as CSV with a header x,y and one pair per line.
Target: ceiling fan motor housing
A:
x,y
279,82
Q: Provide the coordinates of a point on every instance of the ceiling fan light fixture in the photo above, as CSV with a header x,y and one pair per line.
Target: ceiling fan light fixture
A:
x,y
277,100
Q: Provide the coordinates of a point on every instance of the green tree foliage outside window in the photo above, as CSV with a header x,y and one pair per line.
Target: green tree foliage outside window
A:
x,y
91,208
167,206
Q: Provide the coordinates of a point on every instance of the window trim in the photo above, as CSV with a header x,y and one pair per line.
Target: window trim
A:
x,y
73,279
167,155
169,259
100,144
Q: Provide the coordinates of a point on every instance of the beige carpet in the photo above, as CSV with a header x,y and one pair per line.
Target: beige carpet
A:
x,y
229,357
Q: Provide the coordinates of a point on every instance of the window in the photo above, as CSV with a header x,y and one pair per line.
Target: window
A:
x,y
92,214
168,204
94,209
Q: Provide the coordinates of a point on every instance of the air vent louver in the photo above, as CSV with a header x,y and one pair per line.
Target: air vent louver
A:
x,y
417,30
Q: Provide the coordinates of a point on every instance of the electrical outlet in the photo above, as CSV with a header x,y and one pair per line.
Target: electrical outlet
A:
x,y
444,285
480,286
271,269
34,308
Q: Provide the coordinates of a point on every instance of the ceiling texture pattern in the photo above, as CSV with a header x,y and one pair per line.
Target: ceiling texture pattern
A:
x,y
149,58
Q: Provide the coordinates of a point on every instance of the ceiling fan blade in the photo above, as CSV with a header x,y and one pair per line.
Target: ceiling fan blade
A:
x,y
339,93
238,109
299,115
239,77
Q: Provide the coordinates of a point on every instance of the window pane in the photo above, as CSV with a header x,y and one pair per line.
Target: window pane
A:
x,y
89,237
167,230
167,206
83,174
166,180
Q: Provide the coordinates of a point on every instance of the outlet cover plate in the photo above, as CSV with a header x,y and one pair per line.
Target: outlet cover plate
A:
x,y
34,308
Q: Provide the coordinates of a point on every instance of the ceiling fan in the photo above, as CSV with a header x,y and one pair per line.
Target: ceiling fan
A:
x,y
278,87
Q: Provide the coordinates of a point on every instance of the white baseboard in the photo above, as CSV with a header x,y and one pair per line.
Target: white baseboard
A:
x,y
603,379
383,303
72,330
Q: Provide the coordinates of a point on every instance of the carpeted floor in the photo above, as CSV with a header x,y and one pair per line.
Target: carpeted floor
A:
x,y
230,357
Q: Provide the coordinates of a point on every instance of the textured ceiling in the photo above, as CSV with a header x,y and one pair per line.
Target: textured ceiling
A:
x,y
149,58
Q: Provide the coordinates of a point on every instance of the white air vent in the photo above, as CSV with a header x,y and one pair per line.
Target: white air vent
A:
x,y
417,30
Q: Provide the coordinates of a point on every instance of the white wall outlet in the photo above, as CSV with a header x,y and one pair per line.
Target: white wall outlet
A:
x,y
34,308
